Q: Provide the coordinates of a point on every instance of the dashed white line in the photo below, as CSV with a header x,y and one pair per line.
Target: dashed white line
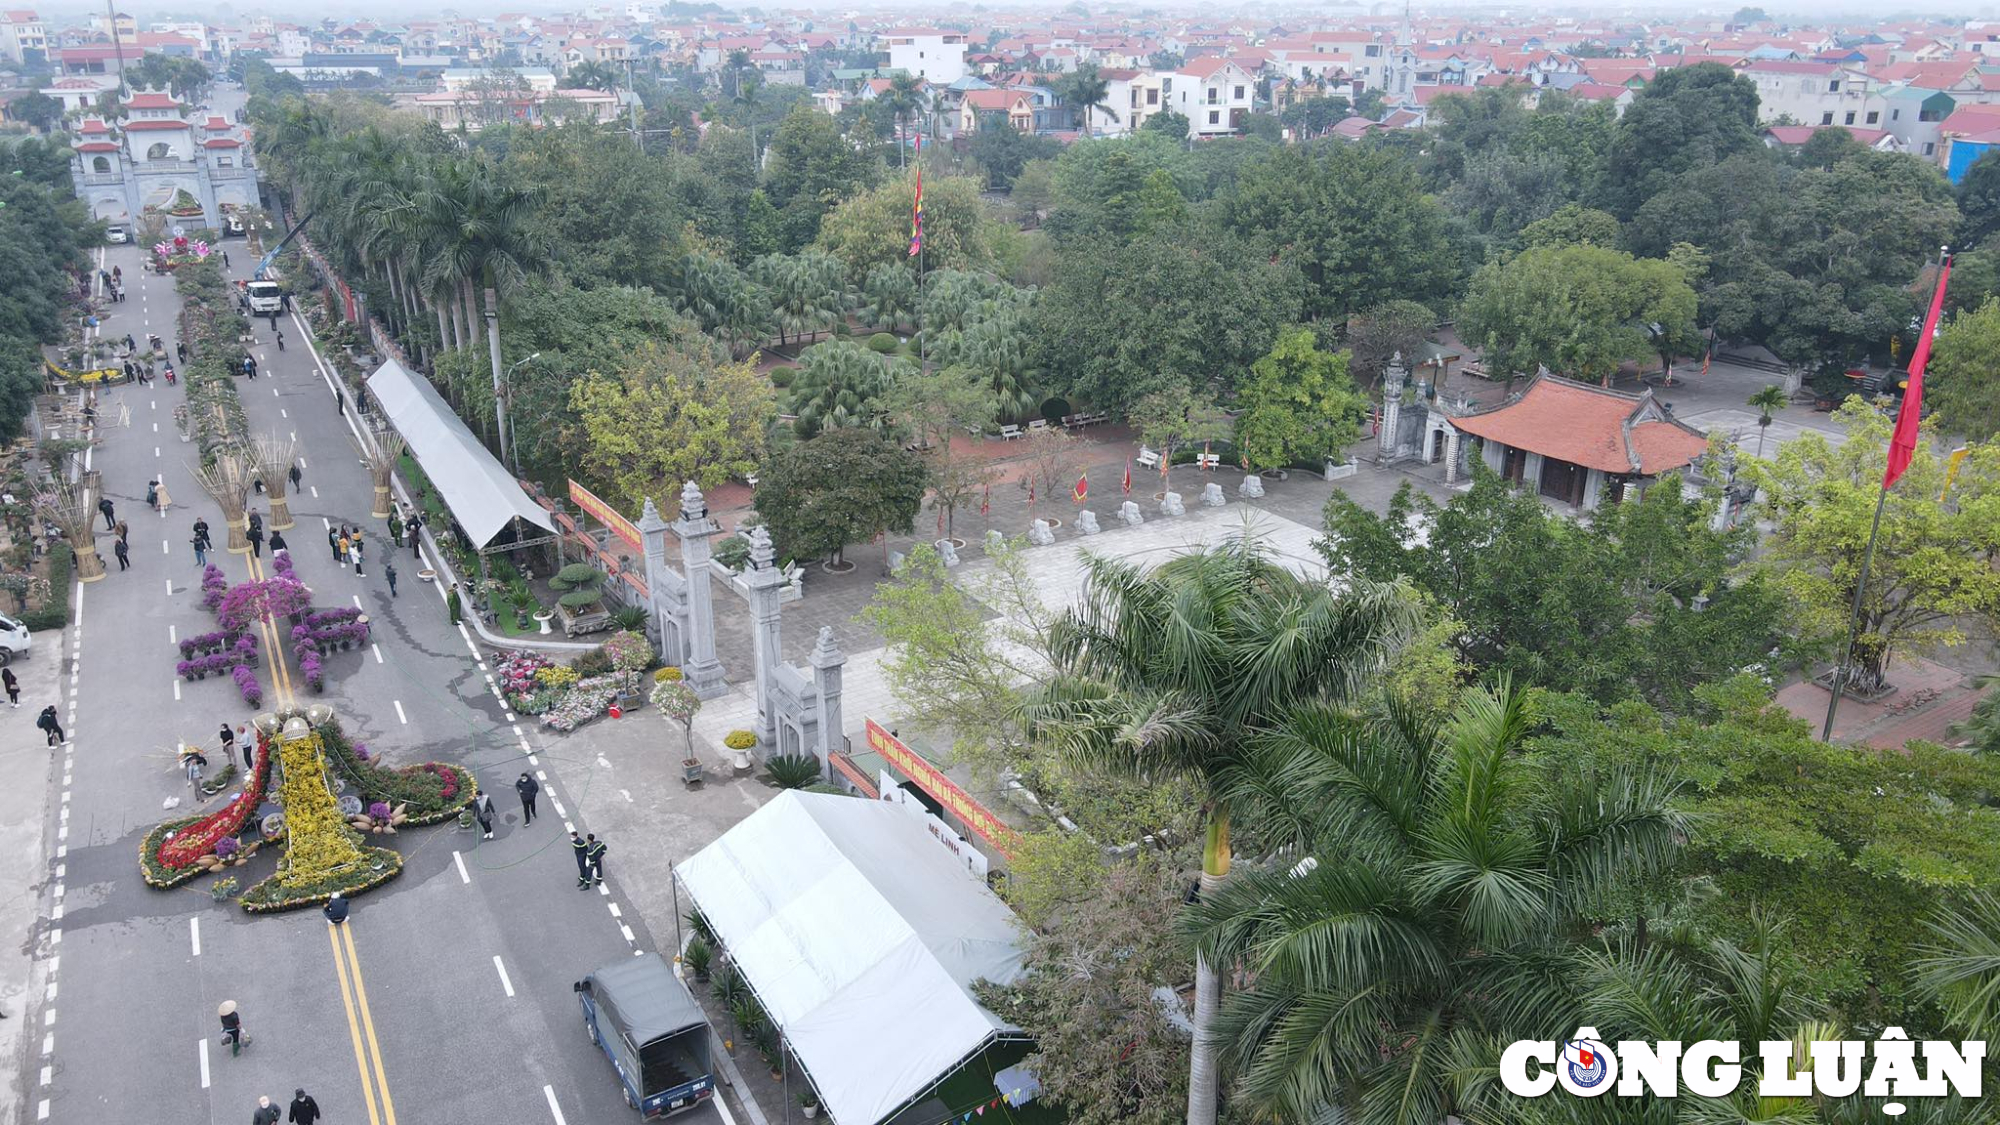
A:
x,y
548,1091
170,587
405,719
173,634
560,811
42,1111
627,931
463,875
614,910
177,689
194,934
48,1073
315,491
166,548
502,970
378,652
281,410
357,602
204,1062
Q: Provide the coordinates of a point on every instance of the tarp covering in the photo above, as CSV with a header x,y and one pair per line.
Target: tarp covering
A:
x,y
480,492
861,935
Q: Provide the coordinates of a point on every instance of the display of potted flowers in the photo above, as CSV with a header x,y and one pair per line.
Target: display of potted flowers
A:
x,y
739,743
246,682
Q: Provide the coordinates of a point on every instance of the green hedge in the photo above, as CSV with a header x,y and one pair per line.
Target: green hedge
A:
x,y
268,898
53,613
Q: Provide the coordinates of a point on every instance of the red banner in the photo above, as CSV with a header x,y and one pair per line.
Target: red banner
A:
x,y
605,514
977,818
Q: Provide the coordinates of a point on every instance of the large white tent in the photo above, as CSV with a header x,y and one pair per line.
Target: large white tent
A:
x,y
482,495
861,936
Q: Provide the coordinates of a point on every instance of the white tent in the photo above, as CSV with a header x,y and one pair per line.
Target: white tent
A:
x,y
861,936
482,495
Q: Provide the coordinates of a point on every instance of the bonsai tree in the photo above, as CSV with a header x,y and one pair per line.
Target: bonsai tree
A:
x,y
580,584
677,701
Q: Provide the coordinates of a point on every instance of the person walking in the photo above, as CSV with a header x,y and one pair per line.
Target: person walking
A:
x,y
527,787
200,550
104,506
12,684
281,336
596,854
249,750
335,909
201,529
122,551
52,727
412,531
454,606
225,265
120,530
305,1111
581,847
267,1114
193,763
389,572
228,738
153,493
278,542
295,474
482,810
160,496
232,1027
354,551
339,402
181,350
256,522
256,537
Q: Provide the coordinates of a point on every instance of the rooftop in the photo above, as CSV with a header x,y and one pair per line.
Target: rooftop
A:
x,y
1611,431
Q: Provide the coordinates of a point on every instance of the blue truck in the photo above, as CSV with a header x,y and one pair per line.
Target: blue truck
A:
x,y
657,1038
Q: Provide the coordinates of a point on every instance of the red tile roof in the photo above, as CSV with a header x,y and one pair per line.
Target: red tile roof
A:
x,y
1800,134
216,124
97,146
155,124
153,101
1589,426
222,142
93,127
1596,91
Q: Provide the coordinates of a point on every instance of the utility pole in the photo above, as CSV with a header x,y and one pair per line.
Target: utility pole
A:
x,y
117,45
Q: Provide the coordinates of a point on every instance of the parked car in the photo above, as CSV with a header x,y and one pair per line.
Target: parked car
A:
x,y
641,1015
117,233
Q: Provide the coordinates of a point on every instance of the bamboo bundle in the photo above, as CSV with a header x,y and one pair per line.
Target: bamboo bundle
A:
x,y
272,459
70,508
382,465
227,479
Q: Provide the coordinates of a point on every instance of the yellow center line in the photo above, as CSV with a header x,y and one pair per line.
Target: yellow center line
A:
x,y
353,1027
368,1024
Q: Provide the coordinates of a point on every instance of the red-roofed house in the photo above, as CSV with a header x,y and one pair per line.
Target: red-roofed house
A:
x,y
1214,94
23,39
1573,443
1792,136
985,108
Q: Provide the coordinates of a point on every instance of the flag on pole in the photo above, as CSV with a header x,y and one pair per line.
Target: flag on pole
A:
x,y
986,501
1903,443
917,210
1082,490
1128,476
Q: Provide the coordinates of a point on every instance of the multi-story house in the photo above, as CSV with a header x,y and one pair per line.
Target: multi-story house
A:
x,y
23,38
1214,94
986,109
937,57
1813,93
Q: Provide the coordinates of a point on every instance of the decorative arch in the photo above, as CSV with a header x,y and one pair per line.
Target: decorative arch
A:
x,y
161,150
100,164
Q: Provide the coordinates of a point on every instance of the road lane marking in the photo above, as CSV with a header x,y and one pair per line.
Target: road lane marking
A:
x,y
378,652
405,719
368,1022
353,1026
177,689
194,932
463,875
502,969
166,548
547,1091
315,490
204,1062
173,634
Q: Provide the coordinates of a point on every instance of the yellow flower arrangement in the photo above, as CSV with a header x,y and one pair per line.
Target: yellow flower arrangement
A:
x,y
667,675
319,842
556,676
739,740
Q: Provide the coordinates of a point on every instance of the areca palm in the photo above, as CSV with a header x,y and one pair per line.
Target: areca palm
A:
x,y
840,385
1960,967
1176,671
1450,890
903,98
1771,398
1088,89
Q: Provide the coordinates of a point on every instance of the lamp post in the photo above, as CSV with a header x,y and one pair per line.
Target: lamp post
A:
x,y
511,440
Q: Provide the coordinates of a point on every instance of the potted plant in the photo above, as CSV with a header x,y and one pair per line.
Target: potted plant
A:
x,y
808,1103
740,743
698,957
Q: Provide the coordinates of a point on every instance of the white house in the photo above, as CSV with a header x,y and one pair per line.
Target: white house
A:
x,y
1214,94
23,39
1814,93
938,57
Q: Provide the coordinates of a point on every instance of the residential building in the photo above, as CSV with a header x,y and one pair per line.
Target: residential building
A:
x,y
1214,94
23,39
465,100
938,57
985,109
1145,96
1813,93
156,158
1792,136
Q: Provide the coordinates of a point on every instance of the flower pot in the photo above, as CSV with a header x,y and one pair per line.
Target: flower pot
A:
x,y
739,760
543,618
427,575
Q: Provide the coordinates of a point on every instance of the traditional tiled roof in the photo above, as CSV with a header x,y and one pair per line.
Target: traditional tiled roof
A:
x,y
97,146
1800,134
1599,429
155,124
222,142
153,101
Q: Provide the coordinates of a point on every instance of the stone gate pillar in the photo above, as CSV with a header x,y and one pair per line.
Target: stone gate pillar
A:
x,y
694,528
668,593
765,581
1392,409
827,660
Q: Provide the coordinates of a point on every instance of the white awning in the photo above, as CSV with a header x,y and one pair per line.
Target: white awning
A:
x,y
482,495
862,935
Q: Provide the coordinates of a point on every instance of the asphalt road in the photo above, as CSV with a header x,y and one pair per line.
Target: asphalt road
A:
x,y
448,998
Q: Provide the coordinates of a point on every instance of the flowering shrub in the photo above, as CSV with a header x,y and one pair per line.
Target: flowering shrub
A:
x,y
246,682
586,701
556,676
210,642
281,564
214,584
426,793
310,668
227,847
519,681
379,810
739,740
629,652
669,674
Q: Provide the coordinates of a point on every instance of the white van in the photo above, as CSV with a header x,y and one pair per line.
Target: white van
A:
x,y
13,639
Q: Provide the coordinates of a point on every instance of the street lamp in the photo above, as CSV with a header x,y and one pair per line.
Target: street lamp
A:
x,y
513,438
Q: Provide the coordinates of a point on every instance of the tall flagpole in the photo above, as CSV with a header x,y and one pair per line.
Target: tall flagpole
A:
x,y
1902,445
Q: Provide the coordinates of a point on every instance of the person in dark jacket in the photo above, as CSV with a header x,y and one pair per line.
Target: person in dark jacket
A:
x,y
267,1114
12,684
527,787
305,1111
335,909
581,847
596,852
52,726
482,805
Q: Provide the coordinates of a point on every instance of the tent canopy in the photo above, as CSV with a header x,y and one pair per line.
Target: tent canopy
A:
x,y
482,495
862,937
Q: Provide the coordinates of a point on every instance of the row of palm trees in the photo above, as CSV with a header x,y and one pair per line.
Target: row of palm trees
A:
x,y
1424,892
442,231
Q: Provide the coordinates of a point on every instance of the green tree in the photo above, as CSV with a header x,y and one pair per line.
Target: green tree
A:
x,y
1979,201
1309,117
1449,876
1176,672
1086,89
672,415
36,109
1578,310
808,293
902,101
1356,220
1389,329
1934,567
1573,225
1687,118
1772,397
812,170
1298,406
841,487
1962,382
1167,123
1003,153
873,228
931,407
890,295
840,385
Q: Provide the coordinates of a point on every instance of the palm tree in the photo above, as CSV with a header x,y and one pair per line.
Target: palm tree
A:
x,y
1450,884
840,385
746,96
1087,89
1770,398
1960,966
1177,671
902,100
592,76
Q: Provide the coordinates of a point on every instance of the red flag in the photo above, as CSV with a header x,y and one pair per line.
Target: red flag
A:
x,y
986,501
1082,490
1903,443
1128,476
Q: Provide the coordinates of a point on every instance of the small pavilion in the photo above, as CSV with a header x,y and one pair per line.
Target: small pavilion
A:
x,y
1575,443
